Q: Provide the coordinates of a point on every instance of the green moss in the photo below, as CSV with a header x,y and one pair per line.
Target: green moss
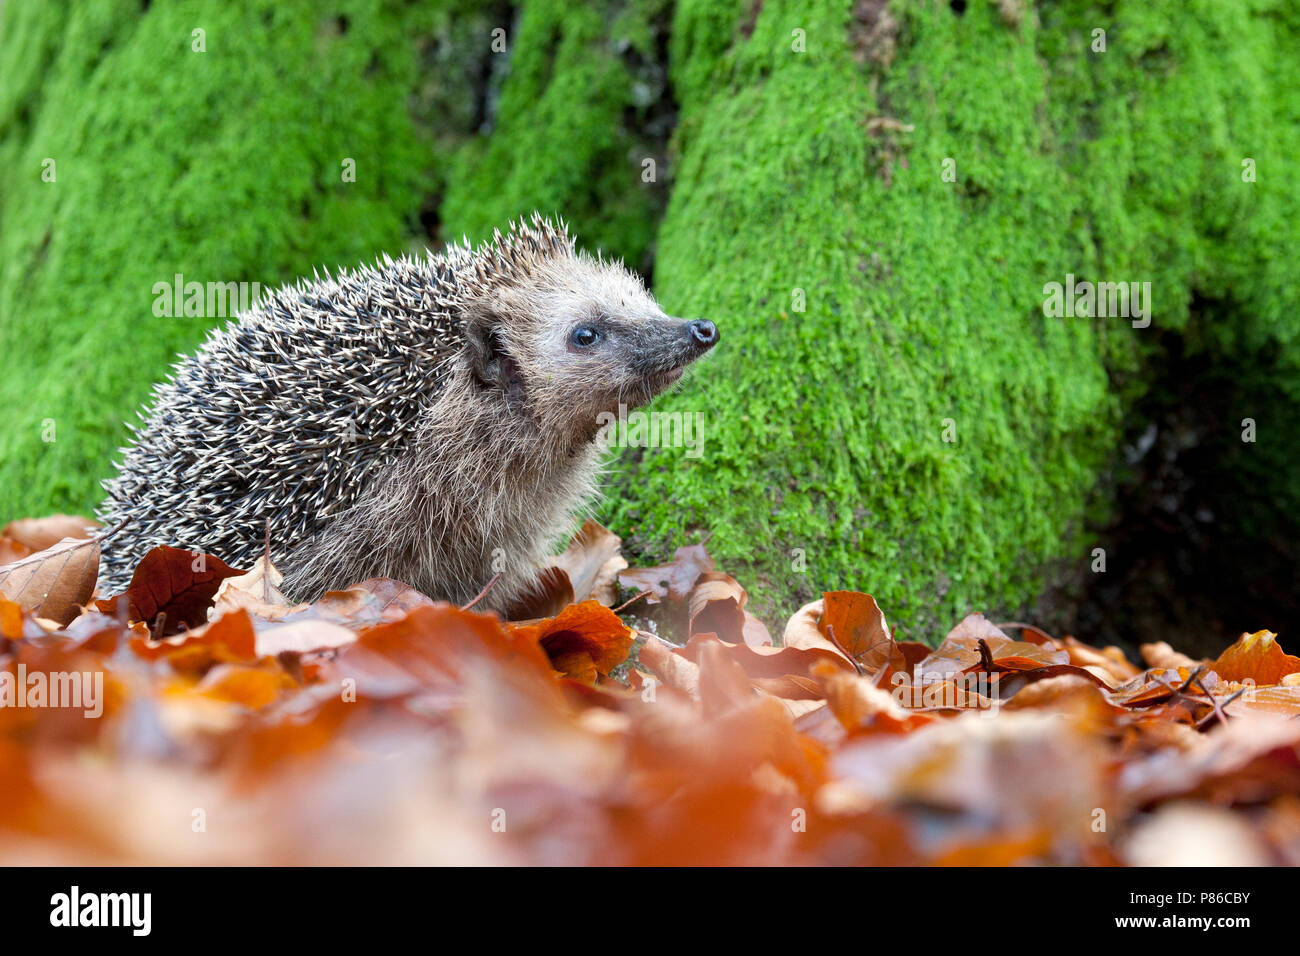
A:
x,y
567,138
223,165
924,297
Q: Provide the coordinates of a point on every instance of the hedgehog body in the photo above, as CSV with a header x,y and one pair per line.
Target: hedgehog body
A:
x,y
431,419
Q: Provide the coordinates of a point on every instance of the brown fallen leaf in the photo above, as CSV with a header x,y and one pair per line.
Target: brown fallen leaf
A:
x,y
717,606
673,670
587,569
252,685
550,594
56,582
257,592
785,672
854,622
229,639
179,584
395,598
582,641
673,581
592,563
1111,660
960,651
37,534
1256,657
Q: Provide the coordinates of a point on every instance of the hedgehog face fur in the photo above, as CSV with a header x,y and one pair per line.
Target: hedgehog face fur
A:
x,y
431,420
576,340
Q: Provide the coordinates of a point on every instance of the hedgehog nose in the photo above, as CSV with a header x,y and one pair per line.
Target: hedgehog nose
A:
x,y
702,333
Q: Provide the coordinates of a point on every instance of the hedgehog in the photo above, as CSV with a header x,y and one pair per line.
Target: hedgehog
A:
x,y
436,419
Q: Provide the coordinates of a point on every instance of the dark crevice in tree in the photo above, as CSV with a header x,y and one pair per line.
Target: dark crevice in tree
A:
x,y
1204,538
650,119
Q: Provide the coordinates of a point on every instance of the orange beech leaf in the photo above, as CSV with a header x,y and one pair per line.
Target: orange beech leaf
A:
x,y
56,582
1110,659
855,622
583,641
1257,657
252,685
662,659
860,706
230,638
168,582
724,685
432,649
394,599
960,650
258,591
667,665
301,636
1066,691
11,620
717,606
1253,753
1274,699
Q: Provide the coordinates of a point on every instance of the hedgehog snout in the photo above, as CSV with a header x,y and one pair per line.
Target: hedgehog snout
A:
x,y
702,334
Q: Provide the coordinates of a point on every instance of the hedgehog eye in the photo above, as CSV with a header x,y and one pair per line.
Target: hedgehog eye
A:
x,y
584,337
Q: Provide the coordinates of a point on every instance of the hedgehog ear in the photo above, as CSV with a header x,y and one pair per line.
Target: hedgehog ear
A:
x,y
490,362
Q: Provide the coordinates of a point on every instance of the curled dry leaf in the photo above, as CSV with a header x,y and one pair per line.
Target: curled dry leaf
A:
x,y
258,591
717,606
228,639
394,598
673,581
1256,657
960,651
675,671
1109,660
1283,700
592,563
550,594
584,641
56,582
862,707
785,672
586,570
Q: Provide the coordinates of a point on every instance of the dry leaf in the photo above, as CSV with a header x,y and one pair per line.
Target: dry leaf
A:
x,y
175,583
1256,657
56,582
37,534
670,582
